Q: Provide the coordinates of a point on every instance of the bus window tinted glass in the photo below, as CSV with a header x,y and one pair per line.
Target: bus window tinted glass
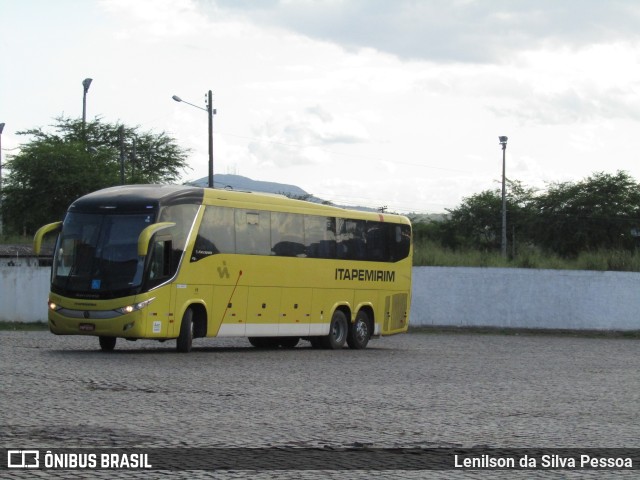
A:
x,y
98,253
351,239
399,242
287,234
182,216
320,236
376,241
216,234
253,231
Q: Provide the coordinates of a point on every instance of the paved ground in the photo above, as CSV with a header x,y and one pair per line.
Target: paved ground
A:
x,y
414,390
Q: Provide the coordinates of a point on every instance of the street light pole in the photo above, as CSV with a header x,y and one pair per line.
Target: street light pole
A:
x,y
1,129
210,112
85,85
210,115
503,243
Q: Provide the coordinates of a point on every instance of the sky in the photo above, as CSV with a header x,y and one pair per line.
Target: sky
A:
x,y
361,102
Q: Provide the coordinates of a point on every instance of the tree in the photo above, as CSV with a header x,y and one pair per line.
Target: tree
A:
x,y
477,222
53,169
596,213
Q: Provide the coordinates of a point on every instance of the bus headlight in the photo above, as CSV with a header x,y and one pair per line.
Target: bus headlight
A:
x,y
134,307
54,306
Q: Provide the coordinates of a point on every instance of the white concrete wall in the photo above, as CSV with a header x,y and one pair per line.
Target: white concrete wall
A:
x,y
479,297
24,292
525,298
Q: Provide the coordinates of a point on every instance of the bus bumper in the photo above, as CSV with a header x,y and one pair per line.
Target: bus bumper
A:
x,y
130,325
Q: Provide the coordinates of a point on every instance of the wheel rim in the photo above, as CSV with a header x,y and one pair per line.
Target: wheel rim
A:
x,y
338,332
362,331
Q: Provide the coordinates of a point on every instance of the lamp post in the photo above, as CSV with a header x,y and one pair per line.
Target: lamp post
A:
x,y
1,129
85,85
210,113
503,243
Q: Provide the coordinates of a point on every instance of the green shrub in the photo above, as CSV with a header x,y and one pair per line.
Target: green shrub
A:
x,y
430,253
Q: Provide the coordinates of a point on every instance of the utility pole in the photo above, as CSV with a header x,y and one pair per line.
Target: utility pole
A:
x,y
86,83
121,143
134,159
210,112
503,243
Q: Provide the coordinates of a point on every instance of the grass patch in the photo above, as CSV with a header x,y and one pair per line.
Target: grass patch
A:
x,y
24,326
551,332
431,254
16,240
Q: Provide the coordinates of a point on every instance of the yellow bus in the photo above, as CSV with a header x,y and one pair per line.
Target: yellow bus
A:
x,y
177,262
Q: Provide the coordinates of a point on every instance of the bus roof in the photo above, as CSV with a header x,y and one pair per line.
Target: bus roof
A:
x,y
125,198
140,197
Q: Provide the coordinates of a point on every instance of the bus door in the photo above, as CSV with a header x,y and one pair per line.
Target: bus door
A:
x,y
160,312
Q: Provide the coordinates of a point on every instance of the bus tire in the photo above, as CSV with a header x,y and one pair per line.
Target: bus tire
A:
x,y
338,331
359,331
185,338
288,342
107,344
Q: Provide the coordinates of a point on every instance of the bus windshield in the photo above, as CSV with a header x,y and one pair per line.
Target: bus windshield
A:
x,y
97,254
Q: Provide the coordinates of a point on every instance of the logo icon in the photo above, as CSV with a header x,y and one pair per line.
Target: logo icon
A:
x,y
23,459
223,271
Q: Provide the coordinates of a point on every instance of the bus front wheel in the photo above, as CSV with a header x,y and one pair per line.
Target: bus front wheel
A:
x,y
359,331
107,344
185,338
337,331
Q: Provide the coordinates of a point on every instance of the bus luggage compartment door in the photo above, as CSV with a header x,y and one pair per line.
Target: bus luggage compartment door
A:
x,y
395,313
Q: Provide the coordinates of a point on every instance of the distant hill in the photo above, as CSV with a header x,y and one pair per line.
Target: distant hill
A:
x,y
238,182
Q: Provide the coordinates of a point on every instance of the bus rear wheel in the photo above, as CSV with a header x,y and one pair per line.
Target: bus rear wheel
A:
x,y
359,331
185,338
337,331
107,344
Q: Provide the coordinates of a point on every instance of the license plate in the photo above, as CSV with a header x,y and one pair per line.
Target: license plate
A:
x,y
87,327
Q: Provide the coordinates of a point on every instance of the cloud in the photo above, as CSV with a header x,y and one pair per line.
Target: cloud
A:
x,y
159,19
302,137
449,30
573,86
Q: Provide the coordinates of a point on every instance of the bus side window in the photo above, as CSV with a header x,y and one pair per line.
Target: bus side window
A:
x,y
376,242
320,236
182,216
351,239
287,234
399,241
253,232
216,233
160,263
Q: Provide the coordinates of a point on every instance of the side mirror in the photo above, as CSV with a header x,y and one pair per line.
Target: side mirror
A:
x,y
147,233
42,231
